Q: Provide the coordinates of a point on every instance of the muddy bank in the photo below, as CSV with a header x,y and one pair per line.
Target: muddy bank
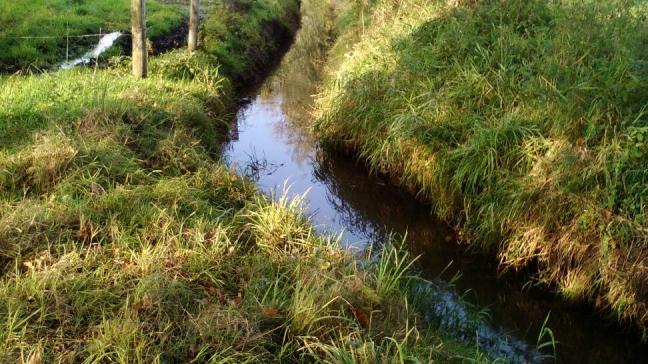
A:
x,y
175,39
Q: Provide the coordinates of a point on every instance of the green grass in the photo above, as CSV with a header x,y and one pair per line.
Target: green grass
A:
x,y
124,239
60,18
250,22
523,121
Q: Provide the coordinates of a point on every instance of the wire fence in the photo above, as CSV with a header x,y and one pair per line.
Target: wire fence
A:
x,y
44,50
204,4
95,35
75,49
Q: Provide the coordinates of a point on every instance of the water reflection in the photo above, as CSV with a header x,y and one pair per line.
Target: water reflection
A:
x,y
270,142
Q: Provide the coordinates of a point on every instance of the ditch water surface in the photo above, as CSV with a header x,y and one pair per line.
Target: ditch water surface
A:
x,y
270,142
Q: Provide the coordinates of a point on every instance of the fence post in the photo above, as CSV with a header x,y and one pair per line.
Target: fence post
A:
x,y
138,20
194,23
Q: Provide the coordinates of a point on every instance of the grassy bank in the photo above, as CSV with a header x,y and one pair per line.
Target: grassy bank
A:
x,y
49,23
519,125
124,239
250,22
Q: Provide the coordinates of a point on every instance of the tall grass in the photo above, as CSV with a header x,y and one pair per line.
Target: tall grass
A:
x,y
523,121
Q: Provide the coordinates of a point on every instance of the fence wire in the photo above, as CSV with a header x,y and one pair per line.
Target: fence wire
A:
x,y
97,35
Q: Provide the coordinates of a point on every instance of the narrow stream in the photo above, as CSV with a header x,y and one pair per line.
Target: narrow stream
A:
x,y
270,143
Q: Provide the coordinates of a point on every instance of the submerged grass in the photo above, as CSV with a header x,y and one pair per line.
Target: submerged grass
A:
x,y
524,121
124,239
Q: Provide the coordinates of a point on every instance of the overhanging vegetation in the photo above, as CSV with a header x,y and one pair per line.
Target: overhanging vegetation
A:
x,y
523,121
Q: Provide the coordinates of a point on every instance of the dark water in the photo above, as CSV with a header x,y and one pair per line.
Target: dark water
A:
x,y
270,142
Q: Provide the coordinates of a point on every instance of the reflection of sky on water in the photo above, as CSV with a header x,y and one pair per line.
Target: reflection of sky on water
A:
x,y
262,124
271,143
273,127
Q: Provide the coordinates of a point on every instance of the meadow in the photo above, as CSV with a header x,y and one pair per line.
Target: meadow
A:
x,y
524,122
53,28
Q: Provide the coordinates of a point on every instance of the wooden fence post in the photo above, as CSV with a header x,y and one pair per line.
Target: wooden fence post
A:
x,y
194,23
138,20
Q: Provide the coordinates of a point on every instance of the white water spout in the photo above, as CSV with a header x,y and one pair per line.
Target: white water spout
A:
x,y
104,43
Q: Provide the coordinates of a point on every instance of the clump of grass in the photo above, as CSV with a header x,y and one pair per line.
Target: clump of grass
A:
x,y
523,128
39,166
177,270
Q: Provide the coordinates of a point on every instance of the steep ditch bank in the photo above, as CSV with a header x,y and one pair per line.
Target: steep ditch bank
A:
x,y
512,131
370,207
270,143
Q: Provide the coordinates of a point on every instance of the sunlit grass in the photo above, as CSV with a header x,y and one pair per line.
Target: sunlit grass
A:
x,y
35,33
520,126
